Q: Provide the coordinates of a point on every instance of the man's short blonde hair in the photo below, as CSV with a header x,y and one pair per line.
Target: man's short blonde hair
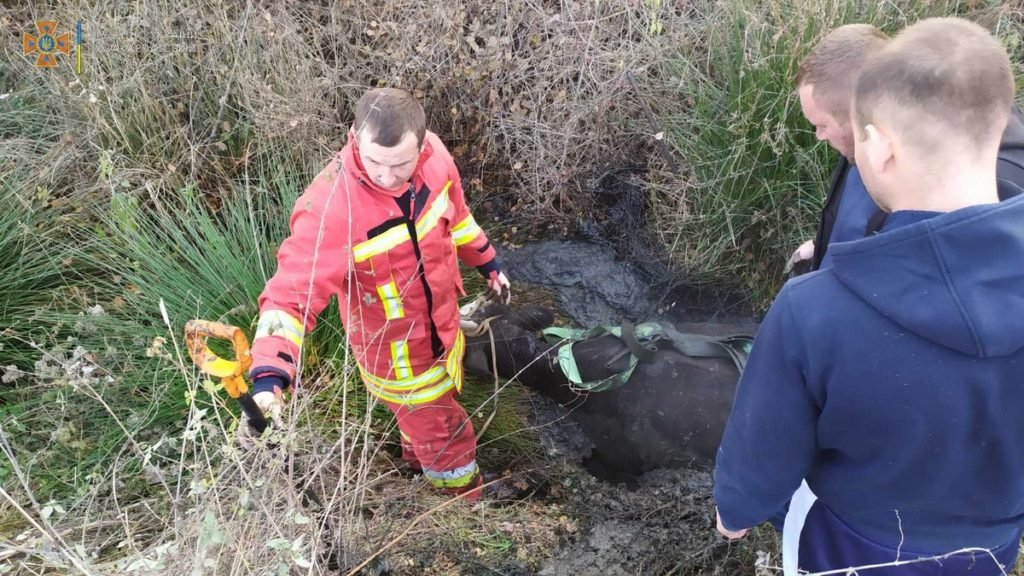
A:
x,y
833,65
940,80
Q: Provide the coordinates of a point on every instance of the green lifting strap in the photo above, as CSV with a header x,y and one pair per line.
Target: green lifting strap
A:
x,y
641,340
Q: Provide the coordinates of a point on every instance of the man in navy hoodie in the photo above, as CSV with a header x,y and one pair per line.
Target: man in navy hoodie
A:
x,y
891,415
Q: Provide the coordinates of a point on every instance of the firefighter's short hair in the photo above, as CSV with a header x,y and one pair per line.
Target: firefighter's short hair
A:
x,y
386,114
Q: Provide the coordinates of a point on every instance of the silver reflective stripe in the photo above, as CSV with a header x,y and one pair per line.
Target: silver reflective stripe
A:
x,y
423,396
451,475
400,360
381,244
391,300
280,323
429,377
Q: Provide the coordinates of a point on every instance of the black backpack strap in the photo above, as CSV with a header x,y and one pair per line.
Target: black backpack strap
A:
x,y
1010,175
1010,166
829,211
1009,189
875,223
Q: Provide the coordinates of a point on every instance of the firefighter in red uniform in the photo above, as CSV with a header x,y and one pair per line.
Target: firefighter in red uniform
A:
x,y
381,227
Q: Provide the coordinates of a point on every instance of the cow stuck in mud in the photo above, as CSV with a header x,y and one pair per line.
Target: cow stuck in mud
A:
x,y
670,414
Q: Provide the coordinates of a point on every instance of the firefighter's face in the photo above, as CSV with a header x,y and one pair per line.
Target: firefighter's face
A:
x,y
389,167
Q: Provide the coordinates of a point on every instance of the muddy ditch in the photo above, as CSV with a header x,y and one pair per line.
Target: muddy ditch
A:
x,y
611,265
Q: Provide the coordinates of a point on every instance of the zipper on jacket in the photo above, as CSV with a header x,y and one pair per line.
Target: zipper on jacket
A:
x,y
435,340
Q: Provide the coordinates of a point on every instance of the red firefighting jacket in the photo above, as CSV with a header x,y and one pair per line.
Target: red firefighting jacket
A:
x,y
390,257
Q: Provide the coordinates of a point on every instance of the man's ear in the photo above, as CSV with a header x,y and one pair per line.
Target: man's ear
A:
x,y
878,148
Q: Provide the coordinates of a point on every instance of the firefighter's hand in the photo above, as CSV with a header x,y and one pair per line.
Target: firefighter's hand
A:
x,y
803,254
730,534
500,287
269,402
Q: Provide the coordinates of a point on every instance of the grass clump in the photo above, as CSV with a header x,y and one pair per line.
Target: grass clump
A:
x,y
29,270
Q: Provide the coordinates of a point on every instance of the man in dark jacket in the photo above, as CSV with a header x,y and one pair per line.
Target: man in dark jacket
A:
x,y
898,437
825,84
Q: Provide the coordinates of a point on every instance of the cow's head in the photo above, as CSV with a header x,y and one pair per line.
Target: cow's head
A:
x,y
509,338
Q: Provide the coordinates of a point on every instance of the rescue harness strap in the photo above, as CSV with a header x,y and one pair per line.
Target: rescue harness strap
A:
x,y
642,342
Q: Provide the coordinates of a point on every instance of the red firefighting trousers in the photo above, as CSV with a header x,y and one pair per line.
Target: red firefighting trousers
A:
x,y
438,438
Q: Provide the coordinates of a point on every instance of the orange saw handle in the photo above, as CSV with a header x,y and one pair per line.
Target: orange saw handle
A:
x,y
231,372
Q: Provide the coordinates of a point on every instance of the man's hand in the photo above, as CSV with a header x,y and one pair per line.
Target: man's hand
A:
x,y
731,535
802,254
500,286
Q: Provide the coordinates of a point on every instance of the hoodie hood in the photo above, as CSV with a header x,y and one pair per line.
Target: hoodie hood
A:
x,y
954,279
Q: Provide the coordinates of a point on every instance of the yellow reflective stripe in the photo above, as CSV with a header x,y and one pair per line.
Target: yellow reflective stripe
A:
x,y
457,478
433,215
428,377
280,323
399,234
392,301
405,436
420,397
400,360
466,231
381,244
453,364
